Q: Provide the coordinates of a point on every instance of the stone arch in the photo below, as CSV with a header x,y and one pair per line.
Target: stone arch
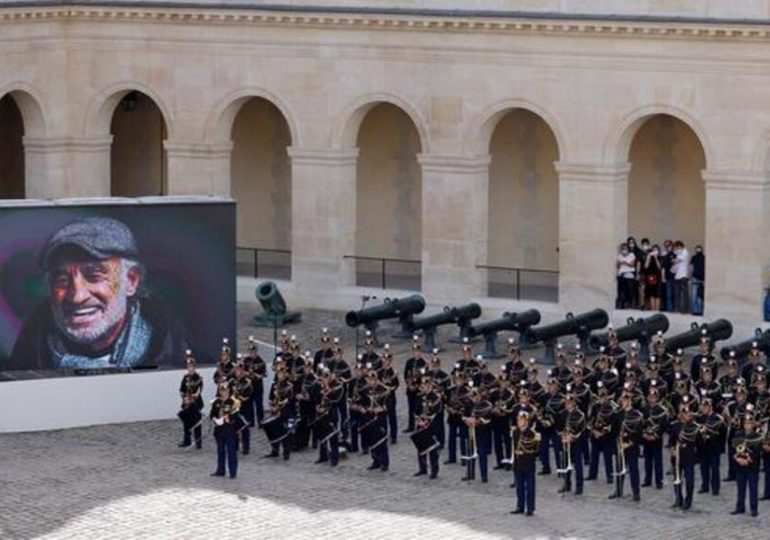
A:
x,y
480,131
618,144
220,122
102,106
345,132
31,104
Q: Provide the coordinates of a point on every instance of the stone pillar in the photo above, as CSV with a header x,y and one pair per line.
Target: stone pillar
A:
x,y
736,245
323,218
454,227
197,168
67,167
593,219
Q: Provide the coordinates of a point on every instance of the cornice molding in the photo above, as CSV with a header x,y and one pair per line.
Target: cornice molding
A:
x,y
456,22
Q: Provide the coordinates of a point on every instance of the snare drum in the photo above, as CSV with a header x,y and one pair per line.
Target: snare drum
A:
x,y
425,441
325,430
372,434
275,429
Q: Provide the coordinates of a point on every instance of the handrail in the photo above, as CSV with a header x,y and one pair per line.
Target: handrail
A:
x,y
383,264
256,252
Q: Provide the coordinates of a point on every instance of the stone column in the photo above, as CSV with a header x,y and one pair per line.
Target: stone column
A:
x,y
454,227
198,168
323,218
593,219
67,167
736,245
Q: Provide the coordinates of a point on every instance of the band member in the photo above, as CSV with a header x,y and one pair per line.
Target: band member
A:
x,y
733,412
503,399
713,431
241,390
357,396
323,354
747,454
370,356
429,409
552,404
305,404
341,371
561,371
707,387
389,377
755,359
729,381
601,424
477,417
190,390
458,400
571,424
225,366
257,369
631,423
526,442
665,360
375,415
766,462
442,381
515,368
326,418
281,398
656,420
683,443
614,352
704,358
224,409
411,381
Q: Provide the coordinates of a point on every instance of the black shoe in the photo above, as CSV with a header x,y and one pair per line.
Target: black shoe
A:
x,y
754,514
702,490
286,457
578,492
183,445
563,489
450,461
433,475
589,478
373,466
484,480
646,484
686,507
509,467
198,446
614,496
637,498
420,473
232,476
217,474
729,479
658,486
271,455
544,472
466,479
517,511
408,430
384,468
736,512
765,498
498,467
321,460
513,485
392,441
530,513
715,494
245,453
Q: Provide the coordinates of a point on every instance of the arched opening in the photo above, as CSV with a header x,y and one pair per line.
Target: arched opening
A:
x,y
260,172
523,216
11,149
388,200
137,156
666,201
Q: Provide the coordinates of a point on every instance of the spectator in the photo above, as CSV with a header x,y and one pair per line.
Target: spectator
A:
x,y
626,268
638,254
641,258
667,261
681,277
653,278
697,277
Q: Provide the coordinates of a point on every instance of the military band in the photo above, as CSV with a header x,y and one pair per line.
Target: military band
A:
x,y
611,415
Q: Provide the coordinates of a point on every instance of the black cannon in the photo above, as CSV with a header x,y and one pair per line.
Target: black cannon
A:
x,y
718,330
275,314
741,350
579,325
429,324
641,330
464,316
517,322
402,309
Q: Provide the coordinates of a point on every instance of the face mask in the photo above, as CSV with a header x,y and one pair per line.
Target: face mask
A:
x,y
624,252
645,246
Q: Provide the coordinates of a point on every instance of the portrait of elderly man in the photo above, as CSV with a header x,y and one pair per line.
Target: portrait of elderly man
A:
x,y
96,315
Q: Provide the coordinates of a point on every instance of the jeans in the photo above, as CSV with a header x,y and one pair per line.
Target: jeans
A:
x,y
696,295
682,295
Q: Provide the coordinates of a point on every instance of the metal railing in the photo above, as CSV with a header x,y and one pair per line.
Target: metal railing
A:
x,y
263,263
387,272
522,283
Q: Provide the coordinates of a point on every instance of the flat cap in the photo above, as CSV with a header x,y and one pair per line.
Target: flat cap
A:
x,y
100,237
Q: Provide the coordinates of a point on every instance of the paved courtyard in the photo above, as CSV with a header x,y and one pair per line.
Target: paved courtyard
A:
x,y
131,481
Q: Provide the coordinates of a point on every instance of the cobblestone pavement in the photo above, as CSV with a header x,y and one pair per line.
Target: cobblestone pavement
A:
x,y
131,481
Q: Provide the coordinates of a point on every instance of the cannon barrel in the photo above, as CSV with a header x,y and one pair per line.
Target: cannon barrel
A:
x,y
448,316
717,331
639,329
573,324
391,308
271,300
741,350
518,322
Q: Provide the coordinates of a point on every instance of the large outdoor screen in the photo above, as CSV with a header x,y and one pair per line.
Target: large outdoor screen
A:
x,y
116,286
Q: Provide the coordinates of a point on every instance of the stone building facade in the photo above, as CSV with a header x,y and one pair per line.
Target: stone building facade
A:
x,y
451,136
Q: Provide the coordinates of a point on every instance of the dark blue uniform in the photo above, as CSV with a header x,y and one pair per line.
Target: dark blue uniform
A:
x,y
747,454
711,448
479,438
242,391
223,413
631,424
458,400
526,449
656,421
190,390
428,414
257,369
684,442
411,377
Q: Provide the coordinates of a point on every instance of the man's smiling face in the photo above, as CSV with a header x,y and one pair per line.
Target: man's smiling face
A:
x,y
89,297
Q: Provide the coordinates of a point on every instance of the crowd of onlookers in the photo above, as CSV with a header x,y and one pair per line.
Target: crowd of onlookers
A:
x,y
667,279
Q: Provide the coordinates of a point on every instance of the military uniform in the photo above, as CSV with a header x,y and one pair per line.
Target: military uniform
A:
x,y
747,451
412,369
429,417
190,390
242,391
223,414
684,442
526,444
477,416
551,406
